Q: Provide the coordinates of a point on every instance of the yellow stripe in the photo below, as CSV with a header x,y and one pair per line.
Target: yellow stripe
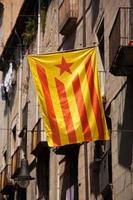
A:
x,y
74,113
41,100
97,86
58,111
87,100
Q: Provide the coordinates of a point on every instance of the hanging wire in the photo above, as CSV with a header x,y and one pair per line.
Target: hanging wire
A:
x,y
111,130
88,45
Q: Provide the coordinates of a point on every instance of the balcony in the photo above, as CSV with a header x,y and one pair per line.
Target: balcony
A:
x,y
68,14
6,186
15,162
38,143
121,43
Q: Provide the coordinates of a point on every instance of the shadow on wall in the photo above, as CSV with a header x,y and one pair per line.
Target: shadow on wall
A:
x,y
125,137
94,178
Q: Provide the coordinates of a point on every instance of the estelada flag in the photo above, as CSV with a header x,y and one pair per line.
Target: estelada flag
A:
x,y
69,96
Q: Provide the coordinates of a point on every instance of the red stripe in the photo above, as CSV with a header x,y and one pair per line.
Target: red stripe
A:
x,y
94,98
49,105
66,112
81,109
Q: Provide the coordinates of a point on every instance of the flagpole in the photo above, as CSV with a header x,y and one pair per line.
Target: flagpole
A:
x,y
38,28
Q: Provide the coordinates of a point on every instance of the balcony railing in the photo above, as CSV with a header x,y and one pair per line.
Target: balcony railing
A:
x,y
121,43
38,139
68,14
5,185
66,149
15,162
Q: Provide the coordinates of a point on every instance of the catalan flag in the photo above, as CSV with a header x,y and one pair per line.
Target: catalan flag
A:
x,y
69,96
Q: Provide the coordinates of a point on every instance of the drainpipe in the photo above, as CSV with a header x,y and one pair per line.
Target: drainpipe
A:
x,y
11,15
38,51
38,28
8,158
87,175
19,87
20,95
84,23
58,157
58,178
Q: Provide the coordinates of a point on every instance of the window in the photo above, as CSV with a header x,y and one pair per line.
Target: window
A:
x,y
5,157
23,133
13,139
100,35
25,116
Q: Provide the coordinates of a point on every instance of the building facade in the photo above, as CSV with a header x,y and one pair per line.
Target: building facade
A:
x,y
88,171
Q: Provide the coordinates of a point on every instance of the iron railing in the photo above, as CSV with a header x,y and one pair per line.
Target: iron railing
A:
x,y
68,14
38,140
121,33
